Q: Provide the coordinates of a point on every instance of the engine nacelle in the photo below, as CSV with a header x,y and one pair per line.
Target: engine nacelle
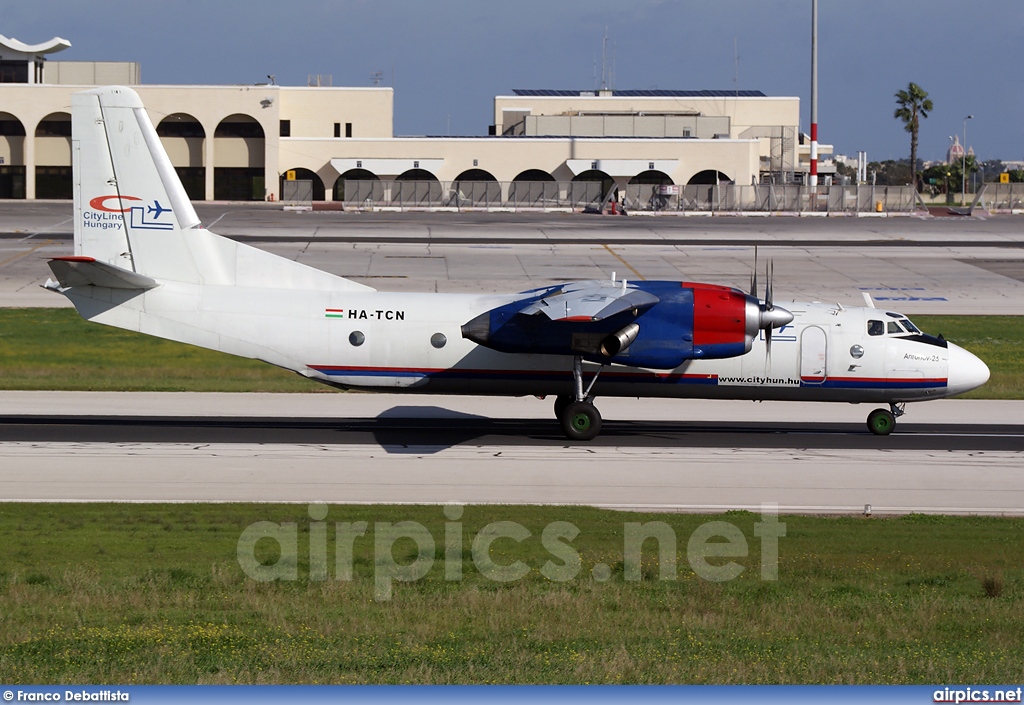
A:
x,y
690,321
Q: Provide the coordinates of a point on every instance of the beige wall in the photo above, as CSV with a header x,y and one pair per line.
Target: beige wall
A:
x,y
53,151
91,73
506,157
743,112
238,152
313,112
12,149
185,151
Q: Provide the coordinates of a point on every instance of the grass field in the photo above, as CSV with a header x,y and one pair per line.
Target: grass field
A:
x,y
56,349
106,593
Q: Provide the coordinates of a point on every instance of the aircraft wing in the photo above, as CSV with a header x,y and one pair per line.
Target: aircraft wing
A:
x,y
592,318
590,301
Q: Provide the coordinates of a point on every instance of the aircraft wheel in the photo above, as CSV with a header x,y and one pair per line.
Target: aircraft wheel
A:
x,y
581,421
881,422
562,402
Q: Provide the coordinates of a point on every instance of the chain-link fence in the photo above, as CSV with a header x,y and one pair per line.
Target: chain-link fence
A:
x,y
577,195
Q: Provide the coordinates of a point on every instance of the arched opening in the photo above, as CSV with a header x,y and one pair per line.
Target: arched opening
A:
x,y
646,191
184,139
53,157
416,187
708,177
590,188
534,175
12,146
534,188
476,175
416,175
239,156
476,187
360,192
652,176
306,186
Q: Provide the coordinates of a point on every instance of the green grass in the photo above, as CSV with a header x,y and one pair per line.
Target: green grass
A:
x,y
154,593
998,340
56,349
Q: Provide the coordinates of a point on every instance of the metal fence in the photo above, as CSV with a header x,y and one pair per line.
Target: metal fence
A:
x,y
472,194
297,191
576,195
771,198
1001,198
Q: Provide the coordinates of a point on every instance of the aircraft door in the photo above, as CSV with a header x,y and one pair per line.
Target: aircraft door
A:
x,y
813,355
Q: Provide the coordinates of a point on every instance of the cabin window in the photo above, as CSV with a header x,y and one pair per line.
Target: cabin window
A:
x,y
438,340
356,338
876,328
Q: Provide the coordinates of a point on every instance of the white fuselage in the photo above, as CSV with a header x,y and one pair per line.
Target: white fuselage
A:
x,y
413,342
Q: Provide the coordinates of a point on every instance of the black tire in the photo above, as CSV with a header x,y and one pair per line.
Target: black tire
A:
x,y
881,422
562,402
581,421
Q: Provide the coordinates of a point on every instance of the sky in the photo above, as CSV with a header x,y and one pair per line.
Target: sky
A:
x,y
447,59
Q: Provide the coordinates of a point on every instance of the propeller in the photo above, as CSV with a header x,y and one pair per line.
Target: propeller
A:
x,y
770,317
768,308
753,276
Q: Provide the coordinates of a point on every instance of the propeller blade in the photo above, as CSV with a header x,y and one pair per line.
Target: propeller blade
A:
x,y
768,287
768,347
753,276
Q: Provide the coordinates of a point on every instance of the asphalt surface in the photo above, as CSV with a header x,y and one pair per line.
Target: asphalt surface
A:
x,y
955,457
911,264
397,431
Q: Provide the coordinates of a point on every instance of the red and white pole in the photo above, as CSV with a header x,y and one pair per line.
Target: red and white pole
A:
x,y
814,93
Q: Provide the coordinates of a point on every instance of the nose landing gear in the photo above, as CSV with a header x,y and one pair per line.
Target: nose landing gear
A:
x,y
881,422
579,418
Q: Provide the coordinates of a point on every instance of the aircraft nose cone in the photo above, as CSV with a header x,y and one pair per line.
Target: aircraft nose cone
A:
x,y
966,371
775,318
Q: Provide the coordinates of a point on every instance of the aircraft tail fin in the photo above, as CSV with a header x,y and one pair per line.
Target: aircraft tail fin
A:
x,y
132,212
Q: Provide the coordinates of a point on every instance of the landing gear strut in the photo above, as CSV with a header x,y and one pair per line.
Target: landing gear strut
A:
x,y
579,418
881,422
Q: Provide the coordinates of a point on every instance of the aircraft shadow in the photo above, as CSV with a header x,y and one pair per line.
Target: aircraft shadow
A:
x,y
423,430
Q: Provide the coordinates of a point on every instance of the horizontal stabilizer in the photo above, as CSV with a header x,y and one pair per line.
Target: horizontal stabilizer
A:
x,y
86,271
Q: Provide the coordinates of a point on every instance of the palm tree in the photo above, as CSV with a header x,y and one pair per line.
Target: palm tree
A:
x,y
914,106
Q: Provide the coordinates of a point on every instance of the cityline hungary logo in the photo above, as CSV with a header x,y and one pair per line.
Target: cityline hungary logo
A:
x,y
108,212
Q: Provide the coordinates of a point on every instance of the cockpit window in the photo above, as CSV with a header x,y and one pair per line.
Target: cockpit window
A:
x,y
894,327
876,328
910,326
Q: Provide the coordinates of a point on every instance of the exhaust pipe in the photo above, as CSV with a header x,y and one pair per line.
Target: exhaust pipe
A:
x,y
620,340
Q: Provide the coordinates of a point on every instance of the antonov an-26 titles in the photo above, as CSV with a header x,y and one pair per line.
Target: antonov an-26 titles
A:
x,y
144,263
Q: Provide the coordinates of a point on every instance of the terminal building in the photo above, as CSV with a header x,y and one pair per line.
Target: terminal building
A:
x,y
243,142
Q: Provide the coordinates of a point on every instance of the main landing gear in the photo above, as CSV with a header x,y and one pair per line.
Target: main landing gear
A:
x,y
881,422
580,419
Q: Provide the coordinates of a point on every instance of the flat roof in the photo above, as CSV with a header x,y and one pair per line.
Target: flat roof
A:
x,y
642,93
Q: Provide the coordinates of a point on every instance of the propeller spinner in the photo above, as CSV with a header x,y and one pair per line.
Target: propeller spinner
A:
x,y
769,316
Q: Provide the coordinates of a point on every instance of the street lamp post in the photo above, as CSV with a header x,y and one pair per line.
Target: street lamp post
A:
x,y
963,166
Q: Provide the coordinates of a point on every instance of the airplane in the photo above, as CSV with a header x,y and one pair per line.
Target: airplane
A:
x,y
572,341
156,209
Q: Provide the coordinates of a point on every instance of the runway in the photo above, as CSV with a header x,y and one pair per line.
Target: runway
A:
x,y
952,457
913,265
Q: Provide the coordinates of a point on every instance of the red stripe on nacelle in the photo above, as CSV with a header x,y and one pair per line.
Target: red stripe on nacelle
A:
x,y
719,315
